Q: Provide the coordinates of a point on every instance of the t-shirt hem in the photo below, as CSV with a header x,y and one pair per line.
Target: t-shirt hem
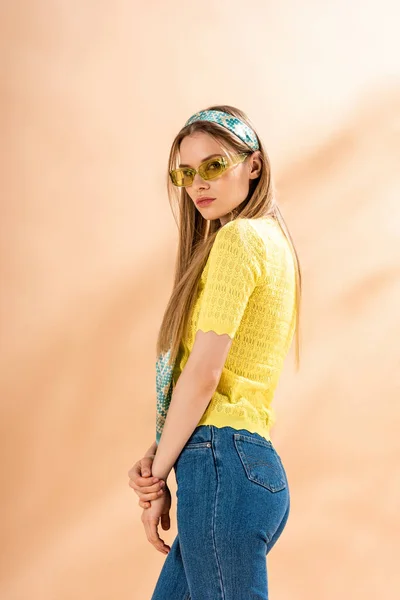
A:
x,y
220,420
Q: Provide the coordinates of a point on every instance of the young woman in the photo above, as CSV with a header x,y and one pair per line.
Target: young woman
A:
x,y
226,331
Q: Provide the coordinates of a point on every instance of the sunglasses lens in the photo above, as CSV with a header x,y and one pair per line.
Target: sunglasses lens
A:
x,y
212,168
208,170
181,177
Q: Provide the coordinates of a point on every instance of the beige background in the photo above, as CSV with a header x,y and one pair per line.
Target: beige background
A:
x,y
92,94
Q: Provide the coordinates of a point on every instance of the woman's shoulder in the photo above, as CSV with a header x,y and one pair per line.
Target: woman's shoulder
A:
x,y
241,229
250,234
238,243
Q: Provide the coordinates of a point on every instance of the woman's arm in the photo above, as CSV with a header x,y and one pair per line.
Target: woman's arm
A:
x,y
190,397
152,450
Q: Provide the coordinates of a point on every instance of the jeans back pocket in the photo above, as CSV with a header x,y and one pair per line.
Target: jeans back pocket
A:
x,y
261,462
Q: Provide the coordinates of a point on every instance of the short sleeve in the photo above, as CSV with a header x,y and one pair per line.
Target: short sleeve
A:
x,y
235,267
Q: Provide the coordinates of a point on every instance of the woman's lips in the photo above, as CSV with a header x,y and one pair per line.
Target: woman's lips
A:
x,y
204,201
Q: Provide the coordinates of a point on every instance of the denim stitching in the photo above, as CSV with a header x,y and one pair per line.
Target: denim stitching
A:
x,y
268,485
214,517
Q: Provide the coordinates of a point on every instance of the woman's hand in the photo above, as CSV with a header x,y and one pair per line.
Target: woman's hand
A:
x,y
151,516
146,487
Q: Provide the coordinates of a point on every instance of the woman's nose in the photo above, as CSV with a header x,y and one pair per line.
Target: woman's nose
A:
x,y
198,181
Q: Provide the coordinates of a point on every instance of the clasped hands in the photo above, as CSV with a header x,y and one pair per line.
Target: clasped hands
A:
x,y
154,498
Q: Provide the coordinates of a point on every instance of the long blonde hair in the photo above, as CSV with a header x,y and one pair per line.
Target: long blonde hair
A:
x,y
196,234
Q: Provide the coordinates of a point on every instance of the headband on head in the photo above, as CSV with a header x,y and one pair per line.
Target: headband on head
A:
x,y
235,125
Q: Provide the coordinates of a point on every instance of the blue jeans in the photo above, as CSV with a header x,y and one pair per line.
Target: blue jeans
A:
x,y
233,503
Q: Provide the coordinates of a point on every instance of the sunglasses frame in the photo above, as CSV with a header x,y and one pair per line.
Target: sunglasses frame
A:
x,y
224,161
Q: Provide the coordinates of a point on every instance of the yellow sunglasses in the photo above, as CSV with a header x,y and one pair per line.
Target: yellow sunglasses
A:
x,y
209,169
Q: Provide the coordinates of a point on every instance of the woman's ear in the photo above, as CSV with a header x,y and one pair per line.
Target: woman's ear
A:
x,y
255,165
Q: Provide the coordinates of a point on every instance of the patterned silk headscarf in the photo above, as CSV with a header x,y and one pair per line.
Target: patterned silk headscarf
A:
x,y
164,371
164,385
235,125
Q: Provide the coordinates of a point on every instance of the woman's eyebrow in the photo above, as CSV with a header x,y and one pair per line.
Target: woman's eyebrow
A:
x,y
206,158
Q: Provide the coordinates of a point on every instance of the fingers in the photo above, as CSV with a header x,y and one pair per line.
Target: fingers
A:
x,y
150,497
144,503
145,499
151,529
147,463
140,483
148,487
149,493
136,473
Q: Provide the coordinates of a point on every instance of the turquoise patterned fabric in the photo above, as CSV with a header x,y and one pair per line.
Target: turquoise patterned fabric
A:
x,y
235,125
164,387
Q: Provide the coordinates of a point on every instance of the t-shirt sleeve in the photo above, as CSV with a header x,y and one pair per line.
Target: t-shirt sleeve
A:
x,y
235,268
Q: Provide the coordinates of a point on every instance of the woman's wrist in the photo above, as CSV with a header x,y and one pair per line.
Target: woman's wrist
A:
x,y
152,450
151,453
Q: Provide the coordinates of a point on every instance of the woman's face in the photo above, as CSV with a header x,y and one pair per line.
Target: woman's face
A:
x,y
230,189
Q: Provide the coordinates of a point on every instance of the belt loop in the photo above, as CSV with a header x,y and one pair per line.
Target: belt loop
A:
x,y
212,434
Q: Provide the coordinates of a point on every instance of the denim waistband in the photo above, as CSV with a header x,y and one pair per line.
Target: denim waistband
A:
x,y
209,433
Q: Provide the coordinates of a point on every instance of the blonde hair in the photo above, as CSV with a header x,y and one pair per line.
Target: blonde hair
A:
x,y
196,234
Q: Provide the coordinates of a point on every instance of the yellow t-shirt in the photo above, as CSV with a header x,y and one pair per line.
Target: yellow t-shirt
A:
x,y
247,290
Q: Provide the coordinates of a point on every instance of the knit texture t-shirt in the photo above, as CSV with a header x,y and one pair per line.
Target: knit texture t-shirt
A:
x,y
247,290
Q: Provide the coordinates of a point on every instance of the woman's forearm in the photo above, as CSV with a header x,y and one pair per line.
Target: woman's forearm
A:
x,y
190,398
152,450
